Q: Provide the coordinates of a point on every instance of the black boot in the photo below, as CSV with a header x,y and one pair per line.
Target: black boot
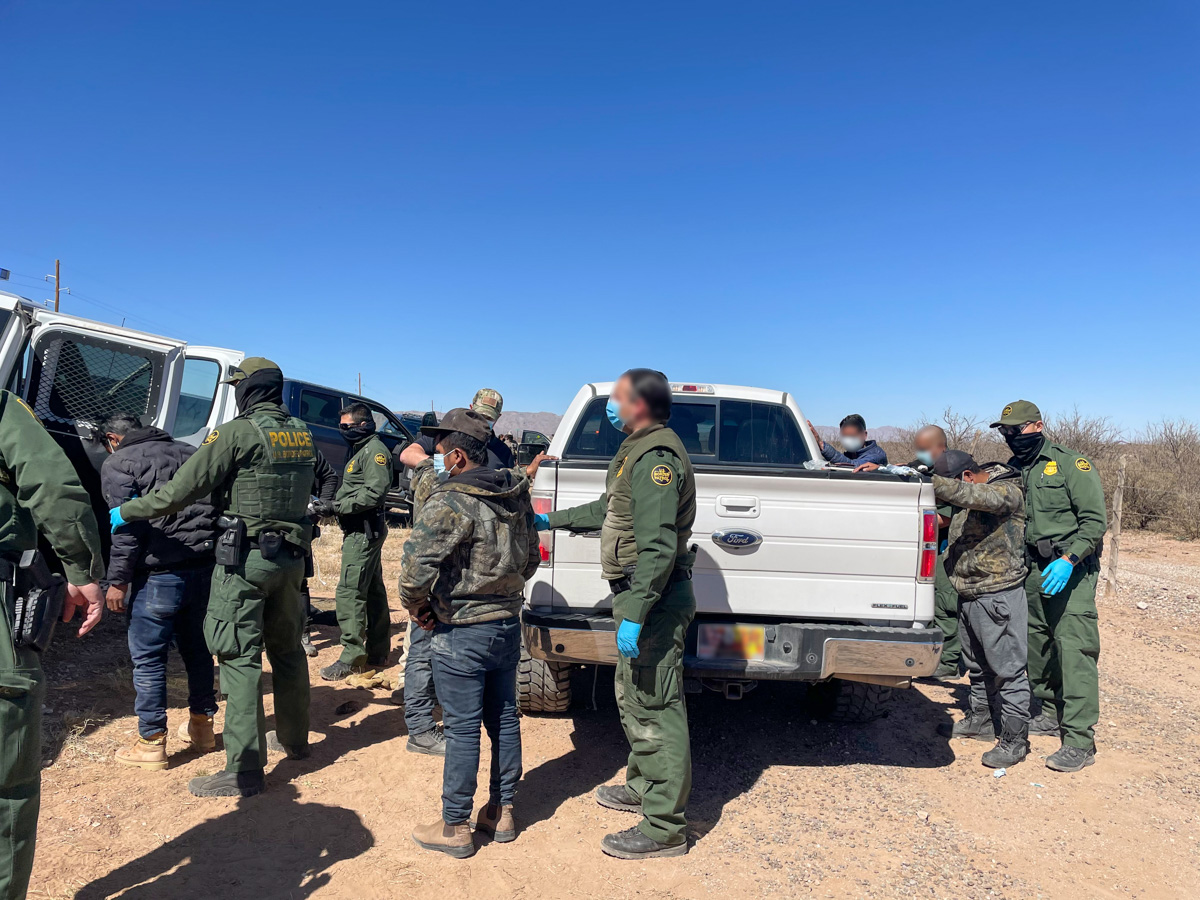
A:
x,y
339,671
977,724
229,784
293,751
306,644
1012,747
618,797
632,844
1045,723
1070,759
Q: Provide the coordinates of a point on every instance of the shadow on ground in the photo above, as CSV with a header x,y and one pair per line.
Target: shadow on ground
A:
x,y
223,857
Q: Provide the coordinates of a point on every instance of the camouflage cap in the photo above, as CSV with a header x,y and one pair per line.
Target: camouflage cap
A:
x,y
464,421
248,368
488,403
1019,412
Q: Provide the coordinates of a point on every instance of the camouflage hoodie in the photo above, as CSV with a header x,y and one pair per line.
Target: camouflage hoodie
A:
x,y
987,532
472,547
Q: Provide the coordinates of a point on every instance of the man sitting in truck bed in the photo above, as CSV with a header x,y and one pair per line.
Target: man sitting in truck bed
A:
x,y
856,448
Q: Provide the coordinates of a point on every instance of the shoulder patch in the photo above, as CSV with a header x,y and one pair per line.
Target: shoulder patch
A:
x,y
380,459
621,467
1051,468
661,475
350,467
1083,465
212,436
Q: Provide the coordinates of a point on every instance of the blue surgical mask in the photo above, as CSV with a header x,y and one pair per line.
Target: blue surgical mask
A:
x,y
613,410
439,463
852,444
925,458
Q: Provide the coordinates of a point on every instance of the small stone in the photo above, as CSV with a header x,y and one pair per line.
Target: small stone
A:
x,y
1142,604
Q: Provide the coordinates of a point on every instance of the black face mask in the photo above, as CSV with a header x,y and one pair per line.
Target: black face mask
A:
x,y
352,434
1025,447
264,386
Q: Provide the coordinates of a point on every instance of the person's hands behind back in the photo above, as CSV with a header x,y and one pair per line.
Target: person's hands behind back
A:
x,y
87,597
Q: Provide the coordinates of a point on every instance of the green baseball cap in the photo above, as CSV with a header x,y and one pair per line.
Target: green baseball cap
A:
x,y
488,403
1019,412
248,368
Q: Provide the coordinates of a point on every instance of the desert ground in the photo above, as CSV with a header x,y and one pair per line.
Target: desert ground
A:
x,y
783,805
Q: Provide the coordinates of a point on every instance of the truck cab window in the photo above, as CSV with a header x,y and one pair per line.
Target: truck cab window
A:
x,y
761,434
320,409
595,437
196,396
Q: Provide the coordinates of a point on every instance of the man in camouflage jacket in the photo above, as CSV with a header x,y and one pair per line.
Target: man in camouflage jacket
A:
x,y
986,563
472,547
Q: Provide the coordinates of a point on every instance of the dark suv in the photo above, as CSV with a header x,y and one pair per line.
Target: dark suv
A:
x,y
321,408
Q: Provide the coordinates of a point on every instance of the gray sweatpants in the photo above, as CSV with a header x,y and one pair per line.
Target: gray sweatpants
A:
x,y
995,648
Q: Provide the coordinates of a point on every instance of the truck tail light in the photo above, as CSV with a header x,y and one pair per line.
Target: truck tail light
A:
x,y
927,559
544,504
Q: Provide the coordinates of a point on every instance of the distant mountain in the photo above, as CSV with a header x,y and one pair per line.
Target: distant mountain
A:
x,y
516,422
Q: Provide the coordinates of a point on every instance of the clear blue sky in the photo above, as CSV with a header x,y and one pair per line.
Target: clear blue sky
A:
x,y
884,207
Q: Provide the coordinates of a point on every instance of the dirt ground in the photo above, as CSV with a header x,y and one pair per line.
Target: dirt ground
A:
x,y
782,805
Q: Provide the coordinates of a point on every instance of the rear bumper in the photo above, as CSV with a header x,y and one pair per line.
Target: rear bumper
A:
x,y
795,651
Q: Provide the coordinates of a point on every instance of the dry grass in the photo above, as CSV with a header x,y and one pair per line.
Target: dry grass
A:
x,y
327,559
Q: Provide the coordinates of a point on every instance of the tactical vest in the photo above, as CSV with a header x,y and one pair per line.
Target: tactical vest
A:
x,y
275,493
618,549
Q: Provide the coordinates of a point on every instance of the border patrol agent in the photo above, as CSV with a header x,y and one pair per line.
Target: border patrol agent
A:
x,y
645,519
39,492
362,604
1065,522
261,468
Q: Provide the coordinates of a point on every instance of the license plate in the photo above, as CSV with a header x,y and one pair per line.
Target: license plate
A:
x,y
731,642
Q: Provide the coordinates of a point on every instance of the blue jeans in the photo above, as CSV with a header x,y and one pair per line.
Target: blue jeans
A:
x,y
476,671
420,697
162,607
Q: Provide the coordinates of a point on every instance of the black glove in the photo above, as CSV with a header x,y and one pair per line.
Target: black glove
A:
x,y
321,509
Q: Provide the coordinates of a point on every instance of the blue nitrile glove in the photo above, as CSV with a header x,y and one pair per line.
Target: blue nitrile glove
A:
x,y
541,521
1055,576
943,545
114,518
627,637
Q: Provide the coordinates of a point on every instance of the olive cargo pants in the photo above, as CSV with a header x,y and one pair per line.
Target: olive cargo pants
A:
x,y
945,614
21,691
654,715
362,604
254,606
1064,649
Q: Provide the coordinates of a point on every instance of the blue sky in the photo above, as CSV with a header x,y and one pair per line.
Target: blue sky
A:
x,y
882,207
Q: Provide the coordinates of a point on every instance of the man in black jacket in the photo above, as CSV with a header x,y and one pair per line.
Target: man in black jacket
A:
x,y
161,571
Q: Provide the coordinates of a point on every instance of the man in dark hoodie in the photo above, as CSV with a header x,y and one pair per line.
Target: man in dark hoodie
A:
x,y
161,571
986,563
259,468
462,576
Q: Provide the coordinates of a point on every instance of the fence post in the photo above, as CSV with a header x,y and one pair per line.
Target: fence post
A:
x,y
1114,549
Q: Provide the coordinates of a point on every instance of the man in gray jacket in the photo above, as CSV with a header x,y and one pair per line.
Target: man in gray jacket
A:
x,y
986,563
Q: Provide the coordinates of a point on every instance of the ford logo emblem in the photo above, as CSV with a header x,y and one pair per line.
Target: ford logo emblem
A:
x,y
737,538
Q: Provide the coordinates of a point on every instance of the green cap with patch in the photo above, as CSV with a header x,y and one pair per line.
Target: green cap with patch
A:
x,y
1019,412
248,368
488,403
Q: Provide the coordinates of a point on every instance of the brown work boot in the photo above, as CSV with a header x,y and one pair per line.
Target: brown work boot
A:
x,y
497,821
146,753
453,840
197,732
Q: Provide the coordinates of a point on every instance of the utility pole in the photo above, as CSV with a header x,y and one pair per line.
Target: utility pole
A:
x,y
57,282
360,384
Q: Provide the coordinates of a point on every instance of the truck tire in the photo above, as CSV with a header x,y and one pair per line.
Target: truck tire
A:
x,y
542,687
850,702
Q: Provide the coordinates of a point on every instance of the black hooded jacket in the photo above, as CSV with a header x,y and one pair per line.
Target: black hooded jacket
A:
x,y
146,459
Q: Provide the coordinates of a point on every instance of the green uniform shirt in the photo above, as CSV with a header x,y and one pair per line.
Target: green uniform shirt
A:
x,y
40,491
238,447
1064,501
366,479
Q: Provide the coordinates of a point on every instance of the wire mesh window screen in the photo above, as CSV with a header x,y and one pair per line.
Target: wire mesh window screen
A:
x,y
80,379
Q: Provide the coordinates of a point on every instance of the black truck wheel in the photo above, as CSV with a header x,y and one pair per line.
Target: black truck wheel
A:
x,y
542,687
852,702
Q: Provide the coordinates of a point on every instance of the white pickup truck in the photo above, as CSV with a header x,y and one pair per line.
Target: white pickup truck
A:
x,y
802,574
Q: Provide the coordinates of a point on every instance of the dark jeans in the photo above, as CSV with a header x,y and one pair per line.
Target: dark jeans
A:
x,y
476,671
164,607
419,694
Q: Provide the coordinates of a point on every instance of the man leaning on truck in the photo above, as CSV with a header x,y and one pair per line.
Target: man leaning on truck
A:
x,y
645,519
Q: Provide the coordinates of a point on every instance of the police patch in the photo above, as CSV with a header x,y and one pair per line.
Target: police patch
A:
x,y
350,467
1051,468
380,459
1007,410
1083,465
661,475
621,467
213,435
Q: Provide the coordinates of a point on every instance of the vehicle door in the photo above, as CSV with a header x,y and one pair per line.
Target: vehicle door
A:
x,y
322,410
204,400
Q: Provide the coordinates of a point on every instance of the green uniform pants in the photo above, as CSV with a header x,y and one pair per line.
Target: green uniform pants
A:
x,y
654,715
362,604
22,688
1064,647
945,614
252,606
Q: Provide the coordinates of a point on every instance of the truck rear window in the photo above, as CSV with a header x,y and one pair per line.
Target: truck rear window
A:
x,y
749,433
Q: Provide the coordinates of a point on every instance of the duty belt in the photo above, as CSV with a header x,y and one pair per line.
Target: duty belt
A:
x,y
624,583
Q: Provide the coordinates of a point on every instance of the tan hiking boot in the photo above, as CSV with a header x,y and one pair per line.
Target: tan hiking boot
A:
x,y
197,732
453,840
146,753
497,821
